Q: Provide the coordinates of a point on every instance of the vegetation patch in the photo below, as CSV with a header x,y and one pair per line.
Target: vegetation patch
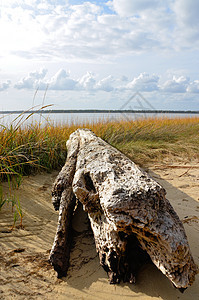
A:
x,y
31,148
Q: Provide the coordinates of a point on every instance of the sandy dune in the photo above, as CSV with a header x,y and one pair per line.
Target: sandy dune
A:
x,y
24,269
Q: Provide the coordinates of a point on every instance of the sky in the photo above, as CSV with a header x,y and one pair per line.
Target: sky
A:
x,y
98,54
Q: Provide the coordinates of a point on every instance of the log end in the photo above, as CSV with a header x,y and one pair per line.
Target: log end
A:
x,y
124,266
181,289
59,265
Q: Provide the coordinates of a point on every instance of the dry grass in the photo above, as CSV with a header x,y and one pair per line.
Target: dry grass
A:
x,y
153,140
27,149
30,148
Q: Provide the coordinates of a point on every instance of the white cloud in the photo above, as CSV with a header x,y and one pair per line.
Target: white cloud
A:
x,y
193,87
87,8
36,79
187,23
5,85
176,85
58,30
32,81
130,8
61,81
87,81
20,30
106,84
38,74
81,31
187,12
144,82
106,37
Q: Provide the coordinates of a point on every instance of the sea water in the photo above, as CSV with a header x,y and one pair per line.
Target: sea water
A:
x,y
81,118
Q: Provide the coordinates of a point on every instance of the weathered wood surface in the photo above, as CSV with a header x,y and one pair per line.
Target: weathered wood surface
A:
x,y
63,199
131,219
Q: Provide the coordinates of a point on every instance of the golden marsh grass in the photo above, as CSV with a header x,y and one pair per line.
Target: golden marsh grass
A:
x,y
30,148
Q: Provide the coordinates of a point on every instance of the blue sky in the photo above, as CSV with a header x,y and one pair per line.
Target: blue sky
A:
x,y
97,54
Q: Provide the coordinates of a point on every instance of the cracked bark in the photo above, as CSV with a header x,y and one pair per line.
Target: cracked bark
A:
x,y
131,219
64,199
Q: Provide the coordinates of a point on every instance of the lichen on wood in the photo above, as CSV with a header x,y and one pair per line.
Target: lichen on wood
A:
x,y
131,219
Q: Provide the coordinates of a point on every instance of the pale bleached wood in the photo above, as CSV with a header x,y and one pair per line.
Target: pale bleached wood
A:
x,y
63,199
131,219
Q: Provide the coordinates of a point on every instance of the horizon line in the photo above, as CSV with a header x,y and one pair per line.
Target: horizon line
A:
x,y
97,111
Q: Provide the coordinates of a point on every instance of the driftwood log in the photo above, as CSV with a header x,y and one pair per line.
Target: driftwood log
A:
x,y
131,219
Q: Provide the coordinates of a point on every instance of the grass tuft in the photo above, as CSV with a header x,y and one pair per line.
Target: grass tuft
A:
x,y
30,148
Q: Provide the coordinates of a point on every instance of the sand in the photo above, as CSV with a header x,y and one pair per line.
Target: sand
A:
x,y
24,269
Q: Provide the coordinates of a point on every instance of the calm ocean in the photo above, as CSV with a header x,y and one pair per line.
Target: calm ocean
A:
x,y
80,118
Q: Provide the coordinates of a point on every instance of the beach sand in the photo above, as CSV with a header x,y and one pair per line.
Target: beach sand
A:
x,y
24,269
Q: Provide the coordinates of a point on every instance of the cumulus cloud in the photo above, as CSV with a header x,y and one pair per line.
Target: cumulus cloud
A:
x,y
5,85
87,81
176,85
144,82
32,81
106,84
62,81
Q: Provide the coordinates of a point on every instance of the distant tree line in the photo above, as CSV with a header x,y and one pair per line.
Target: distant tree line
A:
x,y
58,111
